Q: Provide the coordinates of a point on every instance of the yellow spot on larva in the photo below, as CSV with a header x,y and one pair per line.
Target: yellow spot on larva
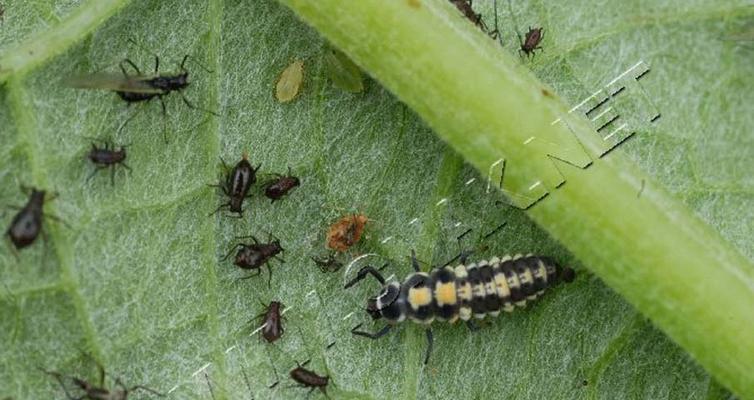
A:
x,y
289,82
414,3
445,294
419,297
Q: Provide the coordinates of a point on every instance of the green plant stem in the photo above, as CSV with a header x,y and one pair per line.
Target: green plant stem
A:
x,y
652,249
50,42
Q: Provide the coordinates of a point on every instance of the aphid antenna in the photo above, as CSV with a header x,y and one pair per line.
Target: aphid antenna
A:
x,y
197,62
246,380
497,29
209,385
272,364
133,115
59,377
515,24
190,105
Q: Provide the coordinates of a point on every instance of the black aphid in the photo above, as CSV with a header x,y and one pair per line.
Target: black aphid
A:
x,y
107,157
90,391
27,223
465,7
138,87
279,187
328,263
237,184
531,41
309,379
272,322
255,255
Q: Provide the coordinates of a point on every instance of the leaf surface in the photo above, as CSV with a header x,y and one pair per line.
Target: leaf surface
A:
x,y
138,279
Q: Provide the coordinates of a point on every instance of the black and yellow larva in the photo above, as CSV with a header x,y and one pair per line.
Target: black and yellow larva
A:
x,y
462,292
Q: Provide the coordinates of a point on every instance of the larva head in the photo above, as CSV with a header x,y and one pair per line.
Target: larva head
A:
x,y
386,304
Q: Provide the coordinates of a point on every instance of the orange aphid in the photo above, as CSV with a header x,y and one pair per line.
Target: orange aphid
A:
x,y
346,232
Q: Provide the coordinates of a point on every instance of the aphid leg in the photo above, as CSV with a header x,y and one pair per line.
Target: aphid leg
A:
x,y
209,385
472,325
429,345
497,36
146,389
274,370
269,279
112,175
96,169
57,219
252,237
164,119
218,209
246,379
414,262
376,335
231,251
202,66
12,247
123,125
131,63
258,272
367,270
156,64
59,377
193,107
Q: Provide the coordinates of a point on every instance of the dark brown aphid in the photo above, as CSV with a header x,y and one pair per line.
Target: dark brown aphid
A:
x,y
531,41
255,255
107,157
281,186
346,232
328,264
464,6
27,224
90,391
237,184
309,379
272,322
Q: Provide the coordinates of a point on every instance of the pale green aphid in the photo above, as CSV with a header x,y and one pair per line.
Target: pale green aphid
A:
x,y
343,73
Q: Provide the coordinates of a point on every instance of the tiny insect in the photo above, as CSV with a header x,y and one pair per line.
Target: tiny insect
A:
x,y
272,322
466,291
289,82
465,7
343,73
107,157
27,223
255,255
309,379
346,232
531,41
99,392
278,188
138,87
328,263
237,184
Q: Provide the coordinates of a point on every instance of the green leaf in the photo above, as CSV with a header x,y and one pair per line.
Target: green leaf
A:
x,y
138,278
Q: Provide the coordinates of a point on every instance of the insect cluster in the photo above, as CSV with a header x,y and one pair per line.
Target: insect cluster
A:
x,y
465,292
